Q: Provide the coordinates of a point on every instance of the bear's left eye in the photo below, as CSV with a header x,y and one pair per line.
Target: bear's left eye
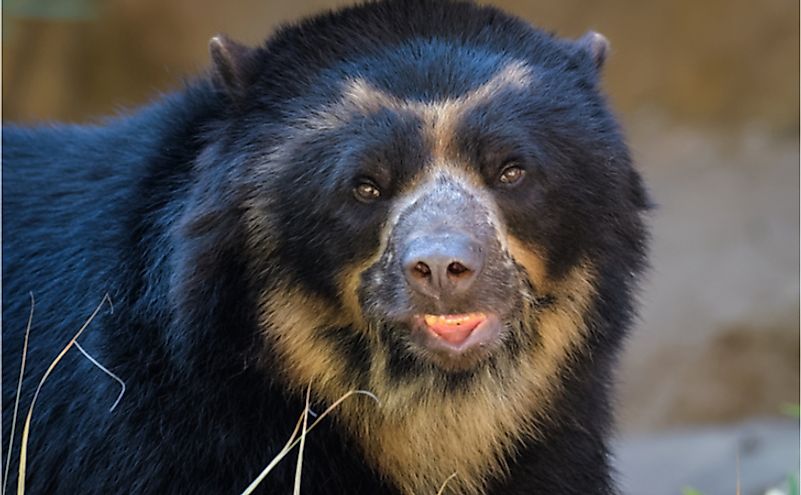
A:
x,y
511,174
366,191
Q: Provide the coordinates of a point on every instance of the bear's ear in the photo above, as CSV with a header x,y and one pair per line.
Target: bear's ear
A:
x,y
596,46
231,61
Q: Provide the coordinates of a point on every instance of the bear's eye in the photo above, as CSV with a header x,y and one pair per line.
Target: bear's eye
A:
x,y
366,191
511,174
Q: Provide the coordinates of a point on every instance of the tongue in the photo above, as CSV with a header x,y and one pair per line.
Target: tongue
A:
x,y
454,328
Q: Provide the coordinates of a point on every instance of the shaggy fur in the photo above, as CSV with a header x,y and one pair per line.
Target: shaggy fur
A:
x,y
222,223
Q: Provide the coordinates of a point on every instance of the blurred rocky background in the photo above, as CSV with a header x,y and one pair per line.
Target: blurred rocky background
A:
x,y
708,93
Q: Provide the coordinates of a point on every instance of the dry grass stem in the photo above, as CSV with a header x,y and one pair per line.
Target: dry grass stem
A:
x,y
739,488
293,441
445,483
23,454
299,466
281,454
106,371
19,391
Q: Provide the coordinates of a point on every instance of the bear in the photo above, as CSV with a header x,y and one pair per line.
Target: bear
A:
x,y
423,208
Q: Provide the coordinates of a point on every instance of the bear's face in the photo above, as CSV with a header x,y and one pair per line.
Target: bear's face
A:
x,y
433,221
435,215
445,288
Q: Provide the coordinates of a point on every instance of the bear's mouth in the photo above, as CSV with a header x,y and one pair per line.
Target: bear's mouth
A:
x,y
454,329
457,338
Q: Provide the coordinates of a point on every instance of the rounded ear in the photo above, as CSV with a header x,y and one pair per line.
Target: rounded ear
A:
x,y
231,61
596,46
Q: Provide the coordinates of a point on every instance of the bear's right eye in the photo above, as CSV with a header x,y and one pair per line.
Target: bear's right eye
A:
x,y
511,174
366,191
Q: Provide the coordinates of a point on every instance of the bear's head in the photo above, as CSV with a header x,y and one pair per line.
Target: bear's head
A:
x,y
435,206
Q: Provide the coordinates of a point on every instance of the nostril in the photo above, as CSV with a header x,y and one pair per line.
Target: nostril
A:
x,y
443,265
421,269
457,269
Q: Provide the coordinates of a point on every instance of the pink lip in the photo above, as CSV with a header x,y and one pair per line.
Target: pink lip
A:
x,y
455,335
455,329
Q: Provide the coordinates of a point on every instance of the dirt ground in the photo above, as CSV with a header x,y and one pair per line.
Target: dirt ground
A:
x,y
758,455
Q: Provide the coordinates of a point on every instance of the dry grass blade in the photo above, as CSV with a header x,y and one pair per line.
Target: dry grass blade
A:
x,y
106,371
23,454
334,406
299,466
739,488
292,442
445,483
281,454
19,391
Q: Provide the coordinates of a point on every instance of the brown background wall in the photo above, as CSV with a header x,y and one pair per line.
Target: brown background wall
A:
x,y
716,62
708,91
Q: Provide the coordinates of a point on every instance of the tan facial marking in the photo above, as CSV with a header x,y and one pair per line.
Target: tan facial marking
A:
x,y
419,442
531,260
418,436
348,284
291,319
440,118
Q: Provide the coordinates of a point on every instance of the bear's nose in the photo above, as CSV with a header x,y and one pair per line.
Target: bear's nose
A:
x,y
442,265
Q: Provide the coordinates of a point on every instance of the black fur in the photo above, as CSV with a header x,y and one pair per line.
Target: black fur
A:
x,y
155,209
